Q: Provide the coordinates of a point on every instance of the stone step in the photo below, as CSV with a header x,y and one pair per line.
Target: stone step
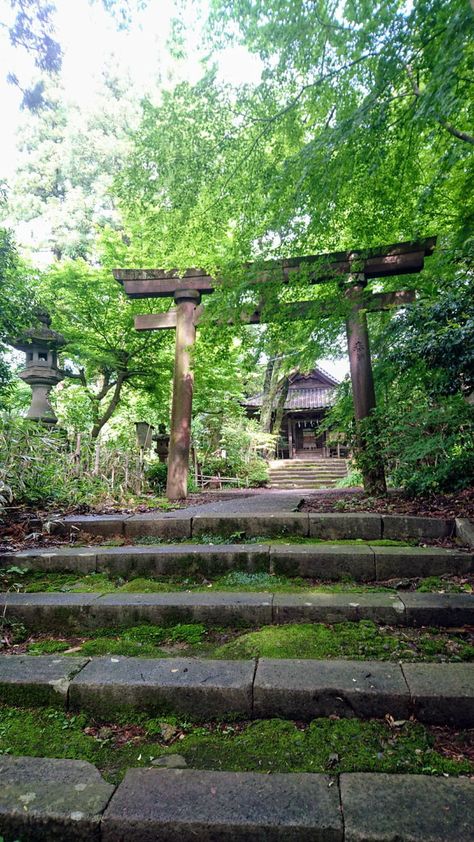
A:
x,y
82,612
308,476
315,462
361,562
205,689
69,800
306,481
309,469
307,485
312,467
45,799
180,525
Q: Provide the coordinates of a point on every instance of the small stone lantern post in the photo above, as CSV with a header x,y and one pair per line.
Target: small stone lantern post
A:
x,y
40,344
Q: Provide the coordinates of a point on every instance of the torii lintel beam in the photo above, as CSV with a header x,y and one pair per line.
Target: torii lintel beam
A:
x,y
292,311
396,259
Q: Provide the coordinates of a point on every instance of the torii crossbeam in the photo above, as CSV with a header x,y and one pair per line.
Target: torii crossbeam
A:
x,y
353,269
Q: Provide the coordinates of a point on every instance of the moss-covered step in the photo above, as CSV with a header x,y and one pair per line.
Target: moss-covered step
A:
x,y
363,563
179,525
206,689
82,612
49,799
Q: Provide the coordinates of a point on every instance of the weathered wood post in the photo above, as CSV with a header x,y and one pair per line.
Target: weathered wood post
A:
x,y
363,391
183,380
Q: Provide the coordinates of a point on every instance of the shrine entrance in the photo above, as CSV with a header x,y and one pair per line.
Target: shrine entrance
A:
x,y
307,440
353,270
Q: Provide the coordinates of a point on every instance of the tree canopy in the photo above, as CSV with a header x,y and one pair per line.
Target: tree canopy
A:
x,y
357,133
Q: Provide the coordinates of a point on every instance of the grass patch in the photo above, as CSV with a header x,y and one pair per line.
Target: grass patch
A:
x,y
266,746
362,640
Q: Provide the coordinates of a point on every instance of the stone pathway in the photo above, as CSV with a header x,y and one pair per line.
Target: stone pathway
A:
x,y
440,693
42,799
360,562
82,612
249,502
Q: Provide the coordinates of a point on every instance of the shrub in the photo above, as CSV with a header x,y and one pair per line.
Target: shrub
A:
x,y
156,474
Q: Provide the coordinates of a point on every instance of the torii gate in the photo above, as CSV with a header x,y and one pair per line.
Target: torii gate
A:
x,y
354,269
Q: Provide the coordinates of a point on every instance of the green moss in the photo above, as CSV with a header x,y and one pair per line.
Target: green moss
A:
x,y
362,640
266,746
284,538
436,583
40,582
48,647
130,648
142,641
345,745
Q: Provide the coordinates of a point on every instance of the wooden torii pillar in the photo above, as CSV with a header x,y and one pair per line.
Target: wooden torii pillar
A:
x,y
354,269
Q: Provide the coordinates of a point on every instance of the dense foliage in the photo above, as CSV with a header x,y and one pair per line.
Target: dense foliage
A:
x,y
357,133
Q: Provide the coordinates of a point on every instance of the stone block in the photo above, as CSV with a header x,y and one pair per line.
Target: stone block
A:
x,y
52,612
464,531
321,561
49,799
436,609
184,559
37,680
197,688
412,808
105,526
210,607
442,694
158,526
402,527
58,560
415,562
334,527
186,805
338,608
306,689
265,525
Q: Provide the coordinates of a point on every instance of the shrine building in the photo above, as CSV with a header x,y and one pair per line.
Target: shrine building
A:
x,y
306,405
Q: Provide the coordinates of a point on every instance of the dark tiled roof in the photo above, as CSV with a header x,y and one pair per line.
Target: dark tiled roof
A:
x,y
301,398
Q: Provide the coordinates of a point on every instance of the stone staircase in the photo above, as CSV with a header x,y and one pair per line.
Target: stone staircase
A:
x,y
306,473
44,799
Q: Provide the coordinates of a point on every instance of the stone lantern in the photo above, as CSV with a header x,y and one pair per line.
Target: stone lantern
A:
x,y
40,344
162,440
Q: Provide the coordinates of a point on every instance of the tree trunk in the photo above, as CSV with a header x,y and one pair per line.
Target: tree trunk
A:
x,y
267,401
283,387
114,402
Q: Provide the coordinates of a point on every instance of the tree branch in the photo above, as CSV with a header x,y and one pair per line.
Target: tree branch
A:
x,y
114,402
464,136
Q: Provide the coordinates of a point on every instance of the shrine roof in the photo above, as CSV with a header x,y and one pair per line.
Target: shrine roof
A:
x,y
314,390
